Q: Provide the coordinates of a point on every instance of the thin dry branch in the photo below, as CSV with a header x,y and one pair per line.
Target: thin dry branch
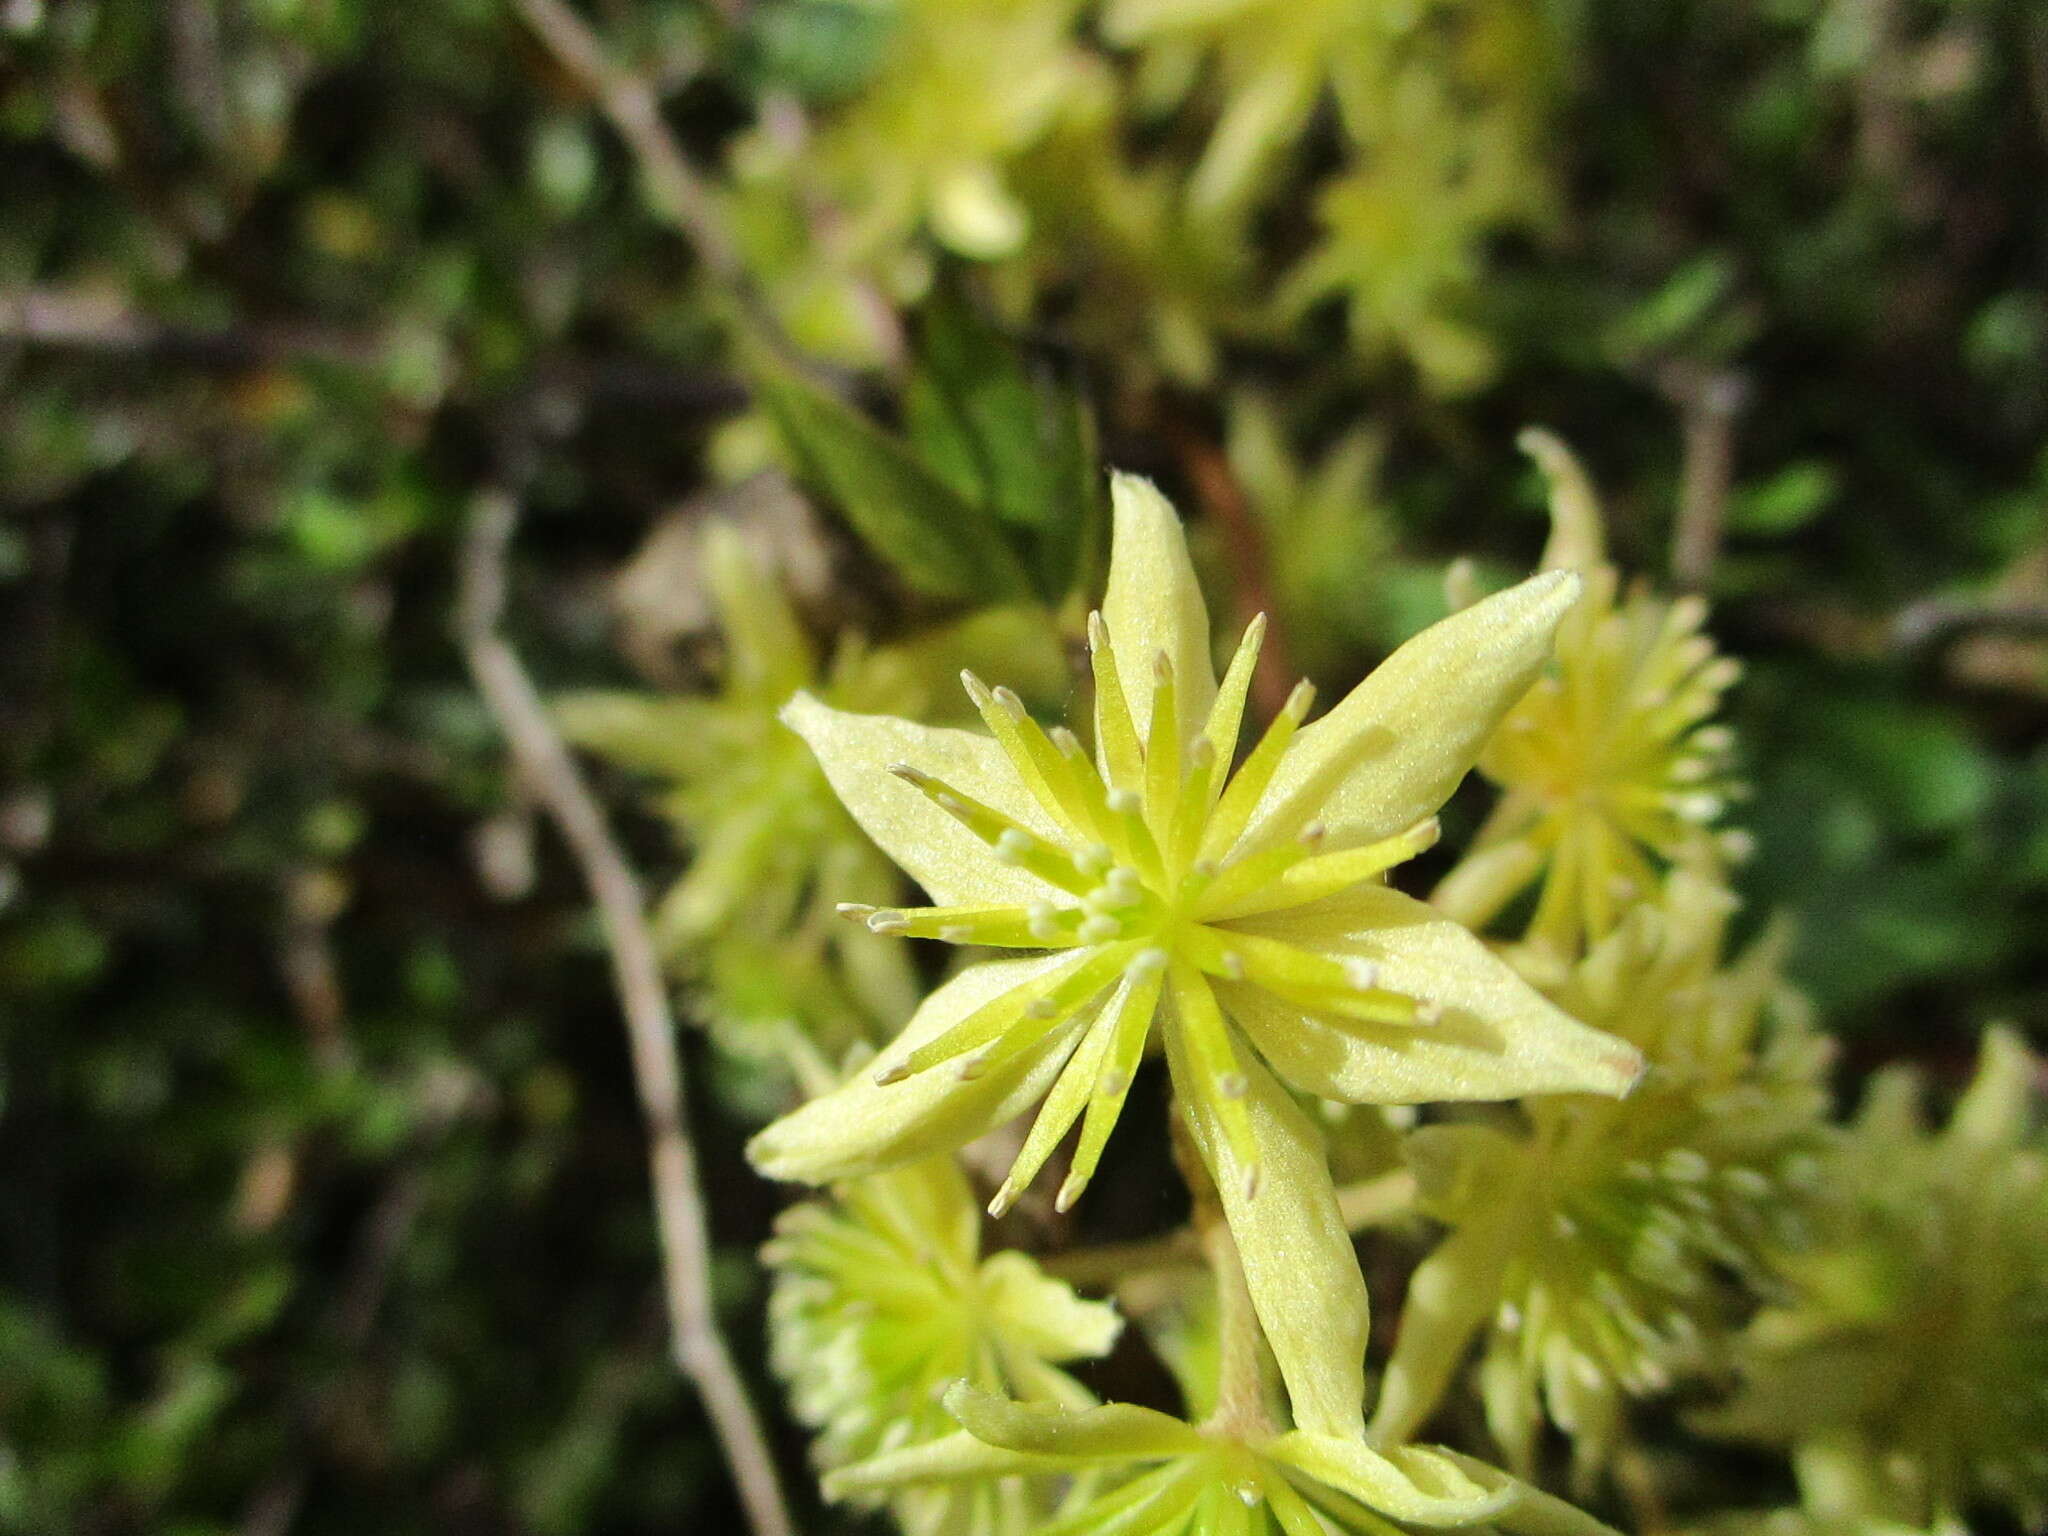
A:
x,y
634,110
1709,403
551,775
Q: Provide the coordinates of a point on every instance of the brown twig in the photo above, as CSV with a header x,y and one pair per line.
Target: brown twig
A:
x,y
551,774
1709,402
86,321
634,110
1223,499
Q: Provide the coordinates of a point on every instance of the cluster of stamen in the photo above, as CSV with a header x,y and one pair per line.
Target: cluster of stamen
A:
x,y
1626,716
1155,859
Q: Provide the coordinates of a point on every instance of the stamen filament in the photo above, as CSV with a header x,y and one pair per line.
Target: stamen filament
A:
x,y
1039,926
1128,809
1214,1059
1020,1018
1241,796
1013,844
1056,1116
1127,1022
1194,802
1324,875
1162,752
1254,872
1226,715
1044,772
1116,736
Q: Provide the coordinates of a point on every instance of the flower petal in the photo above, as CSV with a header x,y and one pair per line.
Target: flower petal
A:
x,y
1154,604
951,1458
1532,1512
864,1127
1498,1038
856,752
1112,1432
1412,1483
1451,1294
1042,1314
1439,697
1298,1263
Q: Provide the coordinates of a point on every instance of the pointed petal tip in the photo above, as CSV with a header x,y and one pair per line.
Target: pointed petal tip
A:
x,y
799,706
1629,1067
1564,585
764,1153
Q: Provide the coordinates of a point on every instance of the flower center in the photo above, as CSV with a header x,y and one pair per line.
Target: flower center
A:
x,y
1152,865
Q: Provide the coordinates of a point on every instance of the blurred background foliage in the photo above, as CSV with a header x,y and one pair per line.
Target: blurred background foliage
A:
x,y
325,1204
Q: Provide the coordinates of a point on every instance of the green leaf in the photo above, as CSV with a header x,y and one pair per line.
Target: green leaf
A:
x,y
1003,433
943,544
1786,502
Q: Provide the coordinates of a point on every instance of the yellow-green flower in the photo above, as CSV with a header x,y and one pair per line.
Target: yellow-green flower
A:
x,y
1440,109
1593,1255
882,1300
961,89
1610,767
1245,913
1165,1477
1906,1373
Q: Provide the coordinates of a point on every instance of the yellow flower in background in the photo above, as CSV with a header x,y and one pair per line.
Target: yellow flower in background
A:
x,y
881,1300
1904,1373
960,90
751,921
1166,1477
1245,914
1611,769
1595,1255
1440,108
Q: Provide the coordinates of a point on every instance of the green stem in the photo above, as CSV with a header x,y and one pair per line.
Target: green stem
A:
x,y
1110,1263
1241,1410
1368,1203
1375,1202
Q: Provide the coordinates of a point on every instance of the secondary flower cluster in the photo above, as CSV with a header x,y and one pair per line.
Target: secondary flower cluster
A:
x,y
1003,132
1906,1368
1632,1151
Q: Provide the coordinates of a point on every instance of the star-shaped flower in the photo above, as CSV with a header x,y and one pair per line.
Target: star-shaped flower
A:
x,y
1593,1253
1244,914
1904,1368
